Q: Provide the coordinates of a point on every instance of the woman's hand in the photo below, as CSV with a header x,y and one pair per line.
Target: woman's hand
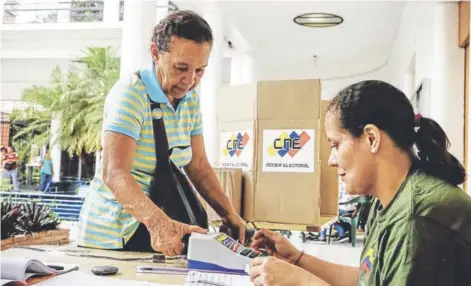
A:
x,y
167,237
236,227
271,271
277,245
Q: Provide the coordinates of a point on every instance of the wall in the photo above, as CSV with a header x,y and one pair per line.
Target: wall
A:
x,y
426,47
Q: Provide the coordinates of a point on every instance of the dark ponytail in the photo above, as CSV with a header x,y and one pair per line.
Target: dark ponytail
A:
x,y
386,107
434,159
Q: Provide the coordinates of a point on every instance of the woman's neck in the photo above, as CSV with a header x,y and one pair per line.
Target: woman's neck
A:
x,y
391,174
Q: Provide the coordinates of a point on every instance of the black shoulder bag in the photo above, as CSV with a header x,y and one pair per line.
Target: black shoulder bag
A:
x,y
170,188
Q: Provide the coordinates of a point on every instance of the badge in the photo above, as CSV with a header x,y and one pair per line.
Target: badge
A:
x,y
157,113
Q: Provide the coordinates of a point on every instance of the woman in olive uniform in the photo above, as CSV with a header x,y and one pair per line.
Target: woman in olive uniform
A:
x,y
419,228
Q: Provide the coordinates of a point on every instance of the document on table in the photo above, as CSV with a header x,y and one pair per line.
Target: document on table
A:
x,y
78,278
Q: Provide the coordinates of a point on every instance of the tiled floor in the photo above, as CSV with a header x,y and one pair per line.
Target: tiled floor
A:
x,y
342,253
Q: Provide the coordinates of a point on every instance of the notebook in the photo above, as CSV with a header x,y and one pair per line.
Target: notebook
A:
x,y
16,270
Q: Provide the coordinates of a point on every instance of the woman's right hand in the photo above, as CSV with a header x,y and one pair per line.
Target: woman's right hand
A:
x,y
167,237
275,244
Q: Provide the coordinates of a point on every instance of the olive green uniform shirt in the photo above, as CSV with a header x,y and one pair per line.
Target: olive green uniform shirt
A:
x,y
423,237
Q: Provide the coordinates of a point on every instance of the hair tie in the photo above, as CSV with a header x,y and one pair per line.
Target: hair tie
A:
x,y
418,117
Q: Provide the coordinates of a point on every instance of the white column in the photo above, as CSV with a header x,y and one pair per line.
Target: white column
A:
x,y
211,81
447,85
409,84
140,18
248,70
468,171
236,69
2,11
242,69
111,11
55,147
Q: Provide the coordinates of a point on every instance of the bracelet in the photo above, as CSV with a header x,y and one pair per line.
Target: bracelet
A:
x,y
299,258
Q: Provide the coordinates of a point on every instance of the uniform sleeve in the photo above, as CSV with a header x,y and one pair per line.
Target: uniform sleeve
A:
x,y
198,122
424,256
124,110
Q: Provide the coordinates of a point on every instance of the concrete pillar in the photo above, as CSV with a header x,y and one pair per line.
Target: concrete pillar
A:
x,y
210,83
2,11
447,85
468,171
55,147
248,70
140,18
111,11
409,84
242,69
236,69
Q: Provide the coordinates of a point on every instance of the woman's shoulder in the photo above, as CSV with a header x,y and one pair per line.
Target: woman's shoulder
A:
x,y
127,87
435,199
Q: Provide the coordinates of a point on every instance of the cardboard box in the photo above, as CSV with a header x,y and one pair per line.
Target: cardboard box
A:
x,y
329,177
290,99
231,183
272,131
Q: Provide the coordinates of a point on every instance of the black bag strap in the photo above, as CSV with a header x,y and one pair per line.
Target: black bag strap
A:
x,y
162,152
163,156
160,138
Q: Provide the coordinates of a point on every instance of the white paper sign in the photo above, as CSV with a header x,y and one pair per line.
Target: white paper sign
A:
x,y
237,149
288,150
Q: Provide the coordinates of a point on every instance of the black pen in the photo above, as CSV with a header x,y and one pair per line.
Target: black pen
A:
x,y
209,283
56,267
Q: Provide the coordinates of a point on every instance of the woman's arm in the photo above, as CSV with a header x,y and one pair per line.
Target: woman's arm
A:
x,y
333,274
203,177
118,157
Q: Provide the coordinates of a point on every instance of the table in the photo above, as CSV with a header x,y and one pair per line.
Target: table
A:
x,y
127,269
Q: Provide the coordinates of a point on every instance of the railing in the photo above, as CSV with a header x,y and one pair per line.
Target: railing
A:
x,y
25,12
67,207
55,11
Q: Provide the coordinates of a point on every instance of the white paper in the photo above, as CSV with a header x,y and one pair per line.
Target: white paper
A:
x,y
236,149
288,150
78,278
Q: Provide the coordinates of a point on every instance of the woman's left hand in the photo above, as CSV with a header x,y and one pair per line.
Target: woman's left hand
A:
x,y
237,226
271,271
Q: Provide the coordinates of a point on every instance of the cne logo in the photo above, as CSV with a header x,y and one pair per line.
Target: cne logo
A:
x,y
288,144
235,145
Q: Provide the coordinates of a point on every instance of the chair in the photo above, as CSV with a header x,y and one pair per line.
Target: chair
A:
x,y
351,219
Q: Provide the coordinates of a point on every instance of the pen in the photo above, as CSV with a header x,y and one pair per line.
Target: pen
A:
x,y
209,283
56,267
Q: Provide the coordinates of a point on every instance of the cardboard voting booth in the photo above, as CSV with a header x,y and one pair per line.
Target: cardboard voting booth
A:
x,y
273,131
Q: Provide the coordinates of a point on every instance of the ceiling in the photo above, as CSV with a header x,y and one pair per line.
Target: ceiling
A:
x,y
364,40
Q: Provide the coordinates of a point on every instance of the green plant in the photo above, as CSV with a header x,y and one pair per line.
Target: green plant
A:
x,y
77,97
26,218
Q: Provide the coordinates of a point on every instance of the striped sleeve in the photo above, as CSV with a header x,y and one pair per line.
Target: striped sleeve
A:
x,y
198,122
124,110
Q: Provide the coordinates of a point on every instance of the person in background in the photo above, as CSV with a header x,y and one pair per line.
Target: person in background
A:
x,y
2,160
10,166
46,171
419,228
